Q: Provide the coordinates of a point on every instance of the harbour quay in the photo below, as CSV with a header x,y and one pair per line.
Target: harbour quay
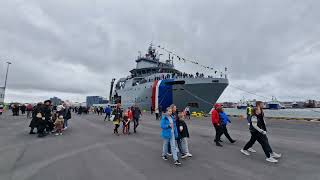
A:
x,y
89,150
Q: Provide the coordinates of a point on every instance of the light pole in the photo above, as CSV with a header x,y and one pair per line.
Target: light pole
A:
x,y
5,81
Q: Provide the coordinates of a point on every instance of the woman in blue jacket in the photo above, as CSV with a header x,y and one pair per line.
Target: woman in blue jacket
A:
x,y
169,134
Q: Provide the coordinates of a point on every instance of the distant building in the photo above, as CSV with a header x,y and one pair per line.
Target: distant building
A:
x,y
310,104
55,101
1,94
229,105
91,100
287,104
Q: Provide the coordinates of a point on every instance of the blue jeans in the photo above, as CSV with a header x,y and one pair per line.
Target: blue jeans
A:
x,y
65,124
172,142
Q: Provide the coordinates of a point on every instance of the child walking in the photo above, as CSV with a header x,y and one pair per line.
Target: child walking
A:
x,y
59,125
184,135
125,122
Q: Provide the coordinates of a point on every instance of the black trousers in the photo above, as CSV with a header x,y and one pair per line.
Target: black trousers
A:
x,y
41,128
262,139
107,116
135,124
219,132
226,133
116,127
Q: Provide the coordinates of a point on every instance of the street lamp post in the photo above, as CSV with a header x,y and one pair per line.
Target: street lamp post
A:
x,y
5,81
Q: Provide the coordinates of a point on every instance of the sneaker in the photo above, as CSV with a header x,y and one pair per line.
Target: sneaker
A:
x,y
184,156
252,150
60,133
165,158
272,160
233,141
275,155
189,155
57,134
218,144
177,162
65,128
169,154
245,152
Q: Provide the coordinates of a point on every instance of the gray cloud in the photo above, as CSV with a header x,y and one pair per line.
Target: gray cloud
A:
x,y
74,48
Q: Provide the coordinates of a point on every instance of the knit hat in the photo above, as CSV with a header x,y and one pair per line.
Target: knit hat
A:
x,y
217,106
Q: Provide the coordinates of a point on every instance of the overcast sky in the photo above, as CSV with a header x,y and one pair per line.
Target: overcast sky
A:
x,y
74,48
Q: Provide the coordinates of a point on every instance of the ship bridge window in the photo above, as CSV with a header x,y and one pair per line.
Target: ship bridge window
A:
x,y
193,104
175,82
215,81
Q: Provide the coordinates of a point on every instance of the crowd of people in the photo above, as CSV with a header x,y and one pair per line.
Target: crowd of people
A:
x,y
175,132
131,114
48,119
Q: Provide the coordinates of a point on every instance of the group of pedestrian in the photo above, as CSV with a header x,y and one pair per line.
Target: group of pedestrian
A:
x,y
175,135
257,128
131,114
220,121
48,121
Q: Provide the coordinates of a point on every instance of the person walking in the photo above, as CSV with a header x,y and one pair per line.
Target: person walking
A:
x,y
66,115
184,136
224,119
117,112
215,118
258,132
48,116
29,111
108,113
249,113
157,113
40,123
169,133
58,124
136,117
35,120
175,115
1,109
187,112
23,109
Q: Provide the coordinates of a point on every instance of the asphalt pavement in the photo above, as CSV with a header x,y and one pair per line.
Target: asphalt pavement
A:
x,y
88,150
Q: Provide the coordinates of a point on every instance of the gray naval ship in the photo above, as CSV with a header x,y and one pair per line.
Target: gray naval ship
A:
x,y
156,85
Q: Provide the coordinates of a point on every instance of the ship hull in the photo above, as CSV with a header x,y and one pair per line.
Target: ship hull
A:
x,y
198,93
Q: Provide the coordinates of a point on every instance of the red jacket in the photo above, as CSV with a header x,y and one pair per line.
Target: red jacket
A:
x,y
130,115
215,117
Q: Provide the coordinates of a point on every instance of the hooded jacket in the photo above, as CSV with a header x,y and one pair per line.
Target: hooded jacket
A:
x,y
224,118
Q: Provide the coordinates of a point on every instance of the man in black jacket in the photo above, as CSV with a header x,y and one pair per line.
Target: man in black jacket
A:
x,y
136,116
48,116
